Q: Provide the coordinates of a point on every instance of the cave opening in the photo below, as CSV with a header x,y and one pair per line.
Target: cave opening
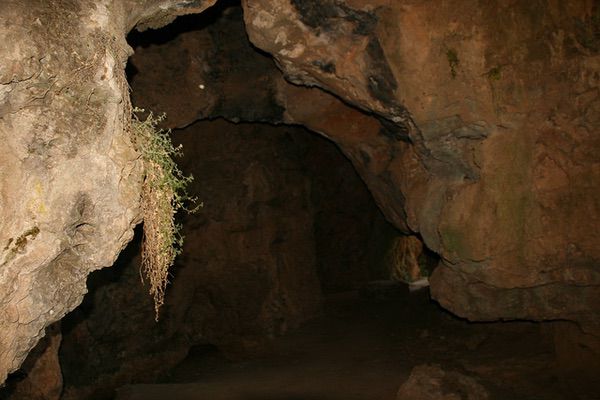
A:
x,y
291,284
288,233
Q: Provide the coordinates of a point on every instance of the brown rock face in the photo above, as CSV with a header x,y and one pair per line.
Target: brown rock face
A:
x,y
469,146
250,251
500,104
218,71
430,382
40,374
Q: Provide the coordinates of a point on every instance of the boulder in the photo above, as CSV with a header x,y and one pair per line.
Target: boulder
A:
x,y
432,382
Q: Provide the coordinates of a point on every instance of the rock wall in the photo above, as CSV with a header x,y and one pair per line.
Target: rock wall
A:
x,y
69,180
214,73
351,234
40,375
500,104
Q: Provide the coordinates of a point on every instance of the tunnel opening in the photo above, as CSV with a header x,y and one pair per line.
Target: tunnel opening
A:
x,y
292,284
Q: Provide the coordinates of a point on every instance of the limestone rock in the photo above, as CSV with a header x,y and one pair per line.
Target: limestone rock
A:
x,y
69,180
463,141
40,374
431,382
479,134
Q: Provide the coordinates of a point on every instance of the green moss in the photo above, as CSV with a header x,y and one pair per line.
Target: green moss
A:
x,y
495,73
18,244
453,61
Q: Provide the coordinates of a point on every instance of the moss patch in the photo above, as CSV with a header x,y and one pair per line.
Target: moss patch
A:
x,y
453,62
17,245
495,73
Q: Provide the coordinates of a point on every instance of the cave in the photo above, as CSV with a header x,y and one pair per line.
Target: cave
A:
x,y
391,200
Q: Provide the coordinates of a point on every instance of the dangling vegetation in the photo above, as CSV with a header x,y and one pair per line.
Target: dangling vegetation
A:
x,y
164,192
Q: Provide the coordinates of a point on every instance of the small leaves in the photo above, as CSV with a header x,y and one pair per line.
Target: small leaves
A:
x,y
164,192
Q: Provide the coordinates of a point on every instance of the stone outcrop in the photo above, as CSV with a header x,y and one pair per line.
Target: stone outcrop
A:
x,y
219,82
69,181
431,382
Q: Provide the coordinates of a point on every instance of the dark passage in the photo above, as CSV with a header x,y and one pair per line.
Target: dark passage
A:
x,y
286,222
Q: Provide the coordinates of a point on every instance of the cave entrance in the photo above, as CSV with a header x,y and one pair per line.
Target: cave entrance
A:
x,y
288,236
284,289
288,231
203,69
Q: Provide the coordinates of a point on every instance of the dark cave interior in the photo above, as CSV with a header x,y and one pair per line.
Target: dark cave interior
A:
x,y
285,287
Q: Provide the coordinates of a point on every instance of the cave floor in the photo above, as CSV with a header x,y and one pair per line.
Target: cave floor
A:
x,y
364,347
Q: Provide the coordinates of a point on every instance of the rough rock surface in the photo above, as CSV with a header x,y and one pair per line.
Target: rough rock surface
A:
x,y
217,71
251,249
351,234
69,182
69,187
431,382
500,103
40,376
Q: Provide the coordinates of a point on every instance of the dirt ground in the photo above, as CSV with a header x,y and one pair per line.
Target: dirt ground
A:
x,y
364,347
